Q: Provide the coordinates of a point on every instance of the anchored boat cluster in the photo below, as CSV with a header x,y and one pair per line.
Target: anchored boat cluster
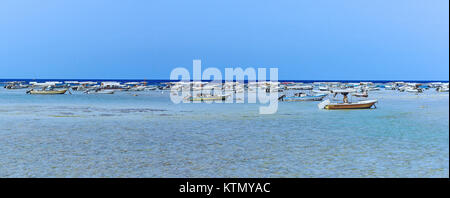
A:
x,y
327,92
88,87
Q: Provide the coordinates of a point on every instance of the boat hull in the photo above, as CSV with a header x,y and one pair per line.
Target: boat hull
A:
x,y
361,95
365,105
50,92
207,99
101,92
306,98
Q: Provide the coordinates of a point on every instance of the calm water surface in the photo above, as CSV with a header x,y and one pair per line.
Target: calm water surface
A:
x,y
122,135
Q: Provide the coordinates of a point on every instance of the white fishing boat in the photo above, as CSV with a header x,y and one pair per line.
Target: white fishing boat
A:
x,y
373,89
137,88
321,92
47,91
206,97
413,90
15,85
151,88
366,104
302,97
100,91
345,104
389,87
111,85
300,87
442,89
362,94
323,88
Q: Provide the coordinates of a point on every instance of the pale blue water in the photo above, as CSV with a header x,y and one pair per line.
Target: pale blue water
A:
x,y
122,135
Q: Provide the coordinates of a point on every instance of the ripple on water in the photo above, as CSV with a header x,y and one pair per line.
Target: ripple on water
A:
x,y
126,136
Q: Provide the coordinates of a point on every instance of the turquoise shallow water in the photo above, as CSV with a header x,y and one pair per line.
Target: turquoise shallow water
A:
x,y
122,135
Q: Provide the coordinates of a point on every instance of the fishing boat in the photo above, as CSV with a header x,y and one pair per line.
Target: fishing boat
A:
x,y
366,104
15,85
303,97
414,90
98,91
301,87
321,92
389,87
323,88
373,88
203,97
363,94
47,92
442,89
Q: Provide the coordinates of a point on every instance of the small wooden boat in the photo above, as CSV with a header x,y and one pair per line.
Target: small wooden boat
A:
x,y
47,92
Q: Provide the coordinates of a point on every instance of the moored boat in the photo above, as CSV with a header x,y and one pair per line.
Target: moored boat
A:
x,y
98,91
207,97
366,104
47,92
442,89
303,97
363,94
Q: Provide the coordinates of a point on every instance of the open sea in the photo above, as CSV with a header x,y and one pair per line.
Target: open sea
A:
x,y
122,135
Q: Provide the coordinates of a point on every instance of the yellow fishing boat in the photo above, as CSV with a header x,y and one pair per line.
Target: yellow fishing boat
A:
x,y
47,92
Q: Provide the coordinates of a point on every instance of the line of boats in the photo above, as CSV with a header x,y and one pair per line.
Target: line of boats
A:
x,y
290,91
88,87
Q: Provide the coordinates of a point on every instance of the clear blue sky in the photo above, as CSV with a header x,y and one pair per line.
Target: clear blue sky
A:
x,y
305,39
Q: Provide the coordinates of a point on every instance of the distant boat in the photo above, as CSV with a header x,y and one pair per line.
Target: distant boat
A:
x,y
321,92
15,85
364,94
366,104
373,89
297,87
47,92
207,97
442,89
303,97
389,87
105,91
414,90
323,88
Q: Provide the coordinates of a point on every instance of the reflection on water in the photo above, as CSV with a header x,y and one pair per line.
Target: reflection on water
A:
x,y
122,135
